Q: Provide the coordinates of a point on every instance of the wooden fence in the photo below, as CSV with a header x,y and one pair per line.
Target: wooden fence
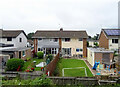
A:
x,y
52,65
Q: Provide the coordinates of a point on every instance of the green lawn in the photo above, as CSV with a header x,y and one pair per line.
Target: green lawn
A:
x,y
72,63
29,64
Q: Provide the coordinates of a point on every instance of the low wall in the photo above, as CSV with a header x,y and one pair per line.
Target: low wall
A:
x,y
74,80
87,81
52,65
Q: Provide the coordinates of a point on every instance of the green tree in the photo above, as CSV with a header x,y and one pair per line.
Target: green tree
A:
x,y
30,35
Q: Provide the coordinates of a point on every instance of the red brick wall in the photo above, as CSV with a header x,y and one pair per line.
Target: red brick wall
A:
x,y
60,44
98,57
35,45
103,41
84,47
28,53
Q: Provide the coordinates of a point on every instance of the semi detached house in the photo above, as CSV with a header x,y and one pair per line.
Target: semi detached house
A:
x,y
110,39
67,43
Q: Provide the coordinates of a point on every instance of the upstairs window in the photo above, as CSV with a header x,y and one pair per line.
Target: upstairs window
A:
x,y
67,39
40,39
114,40
9,39
80,39
20,40
55,39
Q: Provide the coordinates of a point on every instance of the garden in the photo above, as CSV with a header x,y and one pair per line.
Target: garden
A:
x,y
72,68
28,65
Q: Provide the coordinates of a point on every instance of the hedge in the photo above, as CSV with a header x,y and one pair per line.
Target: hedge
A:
x,y
14,63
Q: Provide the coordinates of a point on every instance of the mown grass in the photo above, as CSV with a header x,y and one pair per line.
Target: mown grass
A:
x,y
72,63
30,64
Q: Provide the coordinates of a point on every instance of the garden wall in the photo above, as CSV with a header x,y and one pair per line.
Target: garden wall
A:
x,y
74,80
88,81
52,65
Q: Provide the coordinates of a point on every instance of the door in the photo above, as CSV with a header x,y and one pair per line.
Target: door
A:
x,y
106,58
20,54
67,51
48,50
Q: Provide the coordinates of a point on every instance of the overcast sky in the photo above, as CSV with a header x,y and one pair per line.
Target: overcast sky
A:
x,y
31,15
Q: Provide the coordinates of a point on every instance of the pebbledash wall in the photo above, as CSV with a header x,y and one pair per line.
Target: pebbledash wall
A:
x,y
74,44
15,41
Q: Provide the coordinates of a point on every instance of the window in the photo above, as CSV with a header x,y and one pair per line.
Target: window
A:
x,y
55,39
77,50
23,53
54,51
40,39
114,40
51,39
80,39
20,39
9,39
81,49
40,49
67,39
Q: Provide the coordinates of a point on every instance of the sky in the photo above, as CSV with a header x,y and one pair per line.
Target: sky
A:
x,y
32,15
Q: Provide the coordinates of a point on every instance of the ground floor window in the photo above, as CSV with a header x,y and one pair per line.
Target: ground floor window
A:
x,y
66,51
49,50
23,53
54,51
40,49
79,50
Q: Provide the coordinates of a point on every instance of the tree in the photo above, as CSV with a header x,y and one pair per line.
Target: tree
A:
x,y
30,36
96,37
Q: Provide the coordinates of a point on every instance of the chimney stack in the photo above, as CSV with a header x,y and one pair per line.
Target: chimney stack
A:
x,y
61,29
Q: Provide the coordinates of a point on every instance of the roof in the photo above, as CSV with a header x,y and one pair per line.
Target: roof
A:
x,y
50,46
30,41
11,33
112,32
60,34
6,45
100,50
14,49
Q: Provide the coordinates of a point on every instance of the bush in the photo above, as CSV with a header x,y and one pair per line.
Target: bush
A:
x,y
50,56
37,82
13,64
40,54
28,58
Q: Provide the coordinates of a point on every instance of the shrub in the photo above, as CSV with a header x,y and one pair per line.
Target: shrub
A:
x,y
50,56
40,54
43,81
13,64
28,58
37,82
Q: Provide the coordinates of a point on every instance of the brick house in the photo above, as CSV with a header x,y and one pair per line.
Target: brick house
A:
x,y
67,43
110,39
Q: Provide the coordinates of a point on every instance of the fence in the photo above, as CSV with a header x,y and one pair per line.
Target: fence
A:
x,y
74,80
52,65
